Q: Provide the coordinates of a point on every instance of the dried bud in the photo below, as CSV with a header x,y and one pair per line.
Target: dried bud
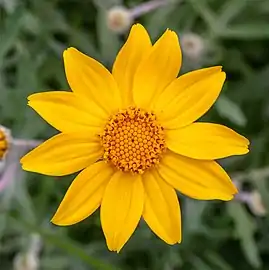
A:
x,y
30,259
256,204
119,19
192,45
26,261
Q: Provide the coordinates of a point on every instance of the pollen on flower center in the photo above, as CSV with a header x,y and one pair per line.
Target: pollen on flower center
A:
x,y
133,140
3,143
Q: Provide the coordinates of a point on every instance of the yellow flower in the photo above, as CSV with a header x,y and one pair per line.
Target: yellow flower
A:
x,y
132,133
5,140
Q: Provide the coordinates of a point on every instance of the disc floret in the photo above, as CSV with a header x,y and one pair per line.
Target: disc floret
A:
x,y
133,140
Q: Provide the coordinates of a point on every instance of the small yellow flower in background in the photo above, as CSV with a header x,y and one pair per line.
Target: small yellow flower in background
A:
x,y
132,133
5,140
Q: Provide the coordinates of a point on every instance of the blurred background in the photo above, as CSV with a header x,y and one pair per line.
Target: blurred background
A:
x,y
216,235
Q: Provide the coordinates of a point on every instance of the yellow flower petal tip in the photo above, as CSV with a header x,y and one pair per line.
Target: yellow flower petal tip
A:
x,y
172,34
60,219
236,191
138,26
23,160
70,49
233,189
29,98
69,52
59,222
35,96
114,247
245,144
55,221
30,103
26,166
133,136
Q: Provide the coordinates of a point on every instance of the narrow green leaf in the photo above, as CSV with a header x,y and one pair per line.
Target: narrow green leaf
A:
x,y
69,246
200,264
193,221
246,31
230,10
10,31
202,8
24,200
230,110
245,229
219,262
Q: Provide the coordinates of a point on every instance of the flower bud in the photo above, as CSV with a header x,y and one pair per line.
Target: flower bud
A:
x,y
119,19
256,204
26,261
192,45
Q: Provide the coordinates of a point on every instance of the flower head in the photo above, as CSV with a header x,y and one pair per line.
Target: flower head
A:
x,y
10,151
5,140
133,137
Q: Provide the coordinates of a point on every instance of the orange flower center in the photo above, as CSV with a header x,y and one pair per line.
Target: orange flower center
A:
x,y
133,140
3,144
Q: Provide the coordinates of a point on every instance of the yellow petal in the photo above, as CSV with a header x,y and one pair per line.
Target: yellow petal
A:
x,y
161,210
157,70
198,179
121,209
67,112
91,80
63,154
84,194
134,50
206,141
189,97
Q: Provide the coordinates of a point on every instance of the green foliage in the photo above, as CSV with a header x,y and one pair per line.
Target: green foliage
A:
x,y
216,236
